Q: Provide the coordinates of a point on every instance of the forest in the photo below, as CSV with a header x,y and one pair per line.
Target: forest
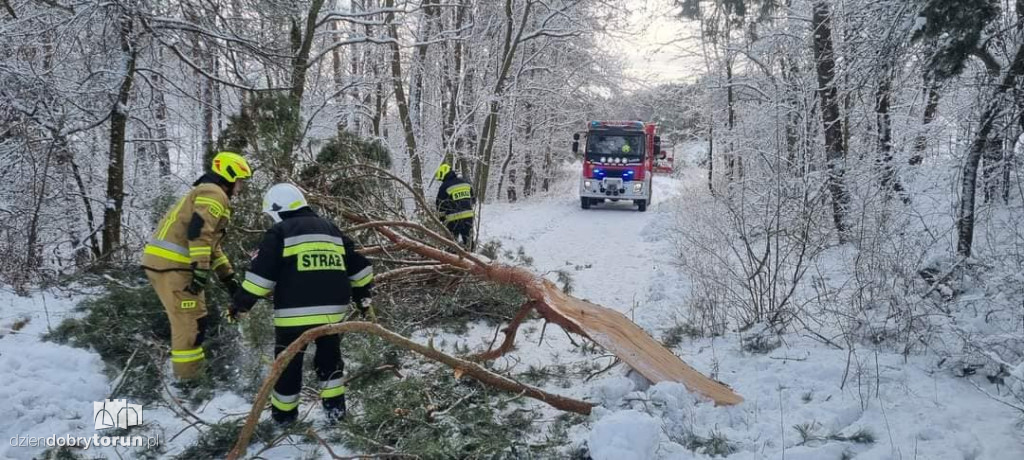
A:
x,y
846,184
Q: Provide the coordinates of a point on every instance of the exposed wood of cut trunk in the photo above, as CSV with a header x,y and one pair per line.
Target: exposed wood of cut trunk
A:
x,y
604,326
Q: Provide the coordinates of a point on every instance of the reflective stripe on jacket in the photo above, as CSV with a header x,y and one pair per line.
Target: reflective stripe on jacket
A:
x,y
312,269
192,232
455,199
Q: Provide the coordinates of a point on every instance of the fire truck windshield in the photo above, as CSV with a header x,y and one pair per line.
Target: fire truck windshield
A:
x,y
618,145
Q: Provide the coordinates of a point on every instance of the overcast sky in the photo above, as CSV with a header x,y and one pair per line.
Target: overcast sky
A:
x,y
651,47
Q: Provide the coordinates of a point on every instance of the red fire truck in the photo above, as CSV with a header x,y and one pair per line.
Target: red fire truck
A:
x,y
665,162
618,159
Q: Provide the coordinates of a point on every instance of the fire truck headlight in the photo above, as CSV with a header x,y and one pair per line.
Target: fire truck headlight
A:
x,y
587,184
638,187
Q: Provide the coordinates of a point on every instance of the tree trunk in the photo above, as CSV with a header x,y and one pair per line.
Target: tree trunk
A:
x,y
930,109
378,113
608,328
118,126
206,99
528,151
1009,150
730,103
428,26
509,156
790,72
835,147
163,152
338,67
302,36
505,164
965,213
465,141
90,219
487,137
33,257
453,80
991,169
890,180
711,156
403,104
548,165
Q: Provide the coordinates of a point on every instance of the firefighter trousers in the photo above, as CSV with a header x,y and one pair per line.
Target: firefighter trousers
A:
x,y
187,315
329,367
462,230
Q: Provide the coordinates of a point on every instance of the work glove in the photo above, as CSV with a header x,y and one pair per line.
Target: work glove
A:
x,y
200,276
365,309
241,302
230,314
231,284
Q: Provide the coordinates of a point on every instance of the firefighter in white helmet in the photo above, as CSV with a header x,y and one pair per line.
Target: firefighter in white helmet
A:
x,y
315,275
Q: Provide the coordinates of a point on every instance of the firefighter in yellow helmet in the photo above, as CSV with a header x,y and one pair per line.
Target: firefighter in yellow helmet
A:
x,y
185,249
455,205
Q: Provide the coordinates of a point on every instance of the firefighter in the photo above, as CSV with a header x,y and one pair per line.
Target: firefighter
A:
x,y
185,249
314,273
455,205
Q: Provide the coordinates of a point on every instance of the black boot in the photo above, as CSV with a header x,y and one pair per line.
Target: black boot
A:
x,y
284,418
335,409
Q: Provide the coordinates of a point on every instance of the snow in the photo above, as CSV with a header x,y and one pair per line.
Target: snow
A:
x,y
48,388
622,259
624,434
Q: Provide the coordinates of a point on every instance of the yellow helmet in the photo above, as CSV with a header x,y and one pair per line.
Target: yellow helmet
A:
x,y
231,166
442,171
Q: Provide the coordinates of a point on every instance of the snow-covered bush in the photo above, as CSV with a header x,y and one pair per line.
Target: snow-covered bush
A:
x,y
747,251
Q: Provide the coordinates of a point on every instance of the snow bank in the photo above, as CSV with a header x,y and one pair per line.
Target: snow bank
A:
x,y
47,389
609,392
625,434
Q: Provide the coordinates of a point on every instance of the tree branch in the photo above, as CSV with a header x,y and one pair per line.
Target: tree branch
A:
x,y
461,367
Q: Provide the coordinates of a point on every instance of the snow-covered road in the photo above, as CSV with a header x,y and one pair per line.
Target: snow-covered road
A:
x,y
611,251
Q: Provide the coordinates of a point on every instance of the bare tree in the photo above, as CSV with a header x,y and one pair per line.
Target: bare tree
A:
x,y
835,146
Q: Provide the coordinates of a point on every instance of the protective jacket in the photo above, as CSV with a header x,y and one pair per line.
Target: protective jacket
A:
x,y
455,199
312,269
190,234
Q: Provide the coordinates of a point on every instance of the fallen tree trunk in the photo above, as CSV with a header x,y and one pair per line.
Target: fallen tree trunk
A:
x,y
606,327
461,366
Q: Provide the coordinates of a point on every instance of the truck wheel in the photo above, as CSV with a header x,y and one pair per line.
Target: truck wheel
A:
x,y
641,205
585,202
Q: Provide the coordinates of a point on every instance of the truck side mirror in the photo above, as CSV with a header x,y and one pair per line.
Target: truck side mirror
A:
x,y
575,142
575,136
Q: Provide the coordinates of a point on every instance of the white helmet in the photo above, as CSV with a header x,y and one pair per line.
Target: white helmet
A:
x,y
282,198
